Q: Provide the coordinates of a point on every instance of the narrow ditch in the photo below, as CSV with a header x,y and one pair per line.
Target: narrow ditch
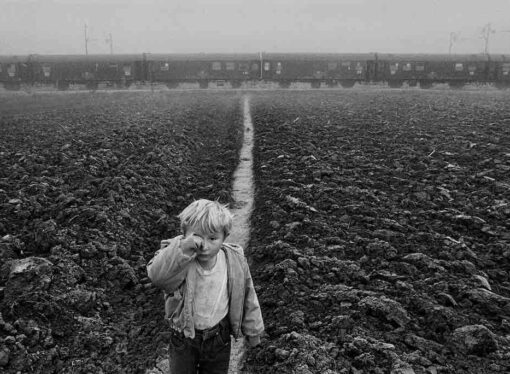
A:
x,y
243,190
243,193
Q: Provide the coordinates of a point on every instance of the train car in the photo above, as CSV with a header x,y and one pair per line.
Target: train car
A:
x,y
173,69
13,71
329,68
426,69
91,70
500,70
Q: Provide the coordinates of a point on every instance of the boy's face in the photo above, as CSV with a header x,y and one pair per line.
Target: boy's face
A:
x,y
211,242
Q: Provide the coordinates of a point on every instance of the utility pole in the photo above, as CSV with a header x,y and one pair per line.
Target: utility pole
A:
x,y
109,40
86,41
486,34
453,38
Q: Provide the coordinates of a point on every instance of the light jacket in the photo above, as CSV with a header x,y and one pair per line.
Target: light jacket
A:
x,y
175,272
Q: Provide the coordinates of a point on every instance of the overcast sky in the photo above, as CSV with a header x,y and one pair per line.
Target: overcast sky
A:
x,y
417,26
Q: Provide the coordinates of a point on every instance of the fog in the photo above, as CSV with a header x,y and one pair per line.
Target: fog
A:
x,y
136,26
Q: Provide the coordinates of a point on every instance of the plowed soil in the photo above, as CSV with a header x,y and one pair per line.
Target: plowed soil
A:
x,y
380,238
381,232
89,185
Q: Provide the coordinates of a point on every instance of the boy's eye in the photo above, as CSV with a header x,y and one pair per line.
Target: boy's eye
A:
x,y
212,238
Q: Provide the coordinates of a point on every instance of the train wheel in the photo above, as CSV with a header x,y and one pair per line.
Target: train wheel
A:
x,y
62,85
284,84
203,84
12,86
332,84
316,84
395,84
347,84
412,83
172,85
120,84
91,86
456,84
425,85
236,84
502,85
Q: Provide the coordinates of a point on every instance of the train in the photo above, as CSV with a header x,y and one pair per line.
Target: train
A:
x,y
315,69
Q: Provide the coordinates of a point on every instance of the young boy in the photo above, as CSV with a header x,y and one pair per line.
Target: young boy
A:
x,y
209,292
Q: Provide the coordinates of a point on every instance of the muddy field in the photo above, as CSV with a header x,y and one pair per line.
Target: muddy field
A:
x,y
381,230
381,233
89,185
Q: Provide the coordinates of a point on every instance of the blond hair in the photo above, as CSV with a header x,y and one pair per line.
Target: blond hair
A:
x,y
209,216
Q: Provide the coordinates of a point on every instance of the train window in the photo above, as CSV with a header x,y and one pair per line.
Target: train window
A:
x,y
332,65
127,70
393,68
165,66
46,71
420,66
0,68
113,66
459,66
346,65
359,68
407,66
11,70
506,68
243,66
216,65
255,67
278,68
230,65
267,66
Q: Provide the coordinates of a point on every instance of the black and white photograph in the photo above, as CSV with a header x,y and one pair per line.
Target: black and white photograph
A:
x,y
254,187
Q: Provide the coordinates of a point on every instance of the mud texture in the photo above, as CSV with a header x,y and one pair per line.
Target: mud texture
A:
x,y
380,236
381,239
89,185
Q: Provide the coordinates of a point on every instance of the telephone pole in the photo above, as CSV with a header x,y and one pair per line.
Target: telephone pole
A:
x,y
486,34
453,38
109,40
86,41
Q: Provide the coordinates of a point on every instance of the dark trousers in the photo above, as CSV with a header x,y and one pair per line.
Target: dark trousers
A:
x,y
207,353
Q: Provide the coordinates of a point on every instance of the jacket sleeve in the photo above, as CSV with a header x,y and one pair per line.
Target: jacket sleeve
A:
x,y
168,268
252,325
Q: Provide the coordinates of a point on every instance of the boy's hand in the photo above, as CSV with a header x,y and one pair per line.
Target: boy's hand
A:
x,y
164,243
252,341
191,244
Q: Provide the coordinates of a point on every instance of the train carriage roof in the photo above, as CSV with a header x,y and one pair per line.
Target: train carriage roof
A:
x,y
202,56
12,59
500,58
108,58
408,57
319,56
